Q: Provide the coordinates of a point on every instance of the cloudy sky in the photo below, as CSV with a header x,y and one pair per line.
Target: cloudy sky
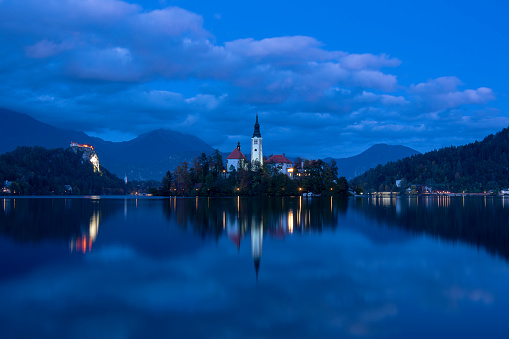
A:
x,y
328,78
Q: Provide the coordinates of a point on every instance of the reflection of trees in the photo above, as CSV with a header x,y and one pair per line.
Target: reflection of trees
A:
x,y
34,220
478,221
235,217
211,216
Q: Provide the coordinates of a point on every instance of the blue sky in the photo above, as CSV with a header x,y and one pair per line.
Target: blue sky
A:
x,y
328,78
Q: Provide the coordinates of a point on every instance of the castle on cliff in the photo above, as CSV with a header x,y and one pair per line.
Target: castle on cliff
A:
x,y
88,153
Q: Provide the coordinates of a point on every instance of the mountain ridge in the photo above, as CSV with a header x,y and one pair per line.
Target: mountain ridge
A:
x,y
356,165
147,156
150,155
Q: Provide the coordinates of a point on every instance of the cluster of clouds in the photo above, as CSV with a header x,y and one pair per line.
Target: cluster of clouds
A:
x,y
109,66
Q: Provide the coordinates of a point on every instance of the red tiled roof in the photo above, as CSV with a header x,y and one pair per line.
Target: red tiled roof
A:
x,y
278,159
236,154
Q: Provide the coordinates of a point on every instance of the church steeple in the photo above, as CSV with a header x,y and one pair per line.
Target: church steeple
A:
x,y
256,147
256,132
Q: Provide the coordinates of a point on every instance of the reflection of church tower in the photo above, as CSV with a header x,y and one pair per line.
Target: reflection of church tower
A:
x,y
256,145
256,245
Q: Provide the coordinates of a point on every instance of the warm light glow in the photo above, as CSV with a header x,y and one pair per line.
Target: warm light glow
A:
x,y
95,161
290,170
93,228
290,221
300,188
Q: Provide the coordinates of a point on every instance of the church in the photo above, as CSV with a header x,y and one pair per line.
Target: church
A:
x,y
237,160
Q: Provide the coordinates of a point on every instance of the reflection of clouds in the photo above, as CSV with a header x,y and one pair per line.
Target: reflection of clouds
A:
x,y
457,294
327,285
121,275
112,253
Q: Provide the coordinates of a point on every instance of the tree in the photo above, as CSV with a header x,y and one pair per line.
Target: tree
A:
x,y
217,163
167,182
183,179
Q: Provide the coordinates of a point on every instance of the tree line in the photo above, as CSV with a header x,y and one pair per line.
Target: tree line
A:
x,y
207,176
40,171
475,167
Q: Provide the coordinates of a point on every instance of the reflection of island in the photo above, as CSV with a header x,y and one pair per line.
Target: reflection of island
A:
x,y
236,217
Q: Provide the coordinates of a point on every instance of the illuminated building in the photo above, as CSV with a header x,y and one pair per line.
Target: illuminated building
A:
x,y
88,153
256,146
282,163
236,160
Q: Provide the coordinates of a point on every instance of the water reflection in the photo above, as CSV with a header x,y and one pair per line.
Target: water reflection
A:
x,y
478,221
35,220
83,243
346,268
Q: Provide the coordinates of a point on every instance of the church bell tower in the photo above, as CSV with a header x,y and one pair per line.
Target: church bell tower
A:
x,y
256,146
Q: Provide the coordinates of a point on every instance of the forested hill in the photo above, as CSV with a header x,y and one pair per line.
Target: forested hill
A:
x,y
476,167
40,171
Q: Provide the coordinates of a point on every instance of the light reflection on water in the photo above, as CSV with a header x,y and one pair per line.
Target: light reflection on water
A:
x,y
274,267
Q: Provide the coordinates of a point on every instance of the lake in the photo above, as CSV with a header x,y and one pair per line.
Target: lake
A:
x,y
116,267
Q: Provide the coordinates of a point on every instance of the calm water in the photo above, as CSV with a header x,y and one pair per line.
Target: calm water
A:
x,y
254,268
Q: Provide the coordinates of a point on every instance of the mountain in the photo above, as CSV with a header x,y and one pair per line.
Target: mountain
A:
x,y
146,157
475,167
370,158
17,129
151,155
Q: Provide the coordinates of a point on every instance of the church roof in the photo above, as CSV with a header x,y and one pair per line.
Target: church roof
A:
x,y
236,154
278,159
256,132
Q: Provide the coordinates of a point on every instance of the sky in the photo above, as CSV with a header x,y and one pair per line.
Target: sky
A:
x,y
327,78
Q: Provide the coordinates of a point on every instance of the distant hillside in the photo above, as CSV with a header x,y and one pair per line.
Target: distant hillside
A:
x,y
475,167
17,129
146,157
370,158
41,171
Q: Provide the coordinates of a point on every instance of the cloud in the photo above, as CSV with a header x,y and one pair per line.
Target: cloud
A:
x,y
45,48
143,68
442,93
368,61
